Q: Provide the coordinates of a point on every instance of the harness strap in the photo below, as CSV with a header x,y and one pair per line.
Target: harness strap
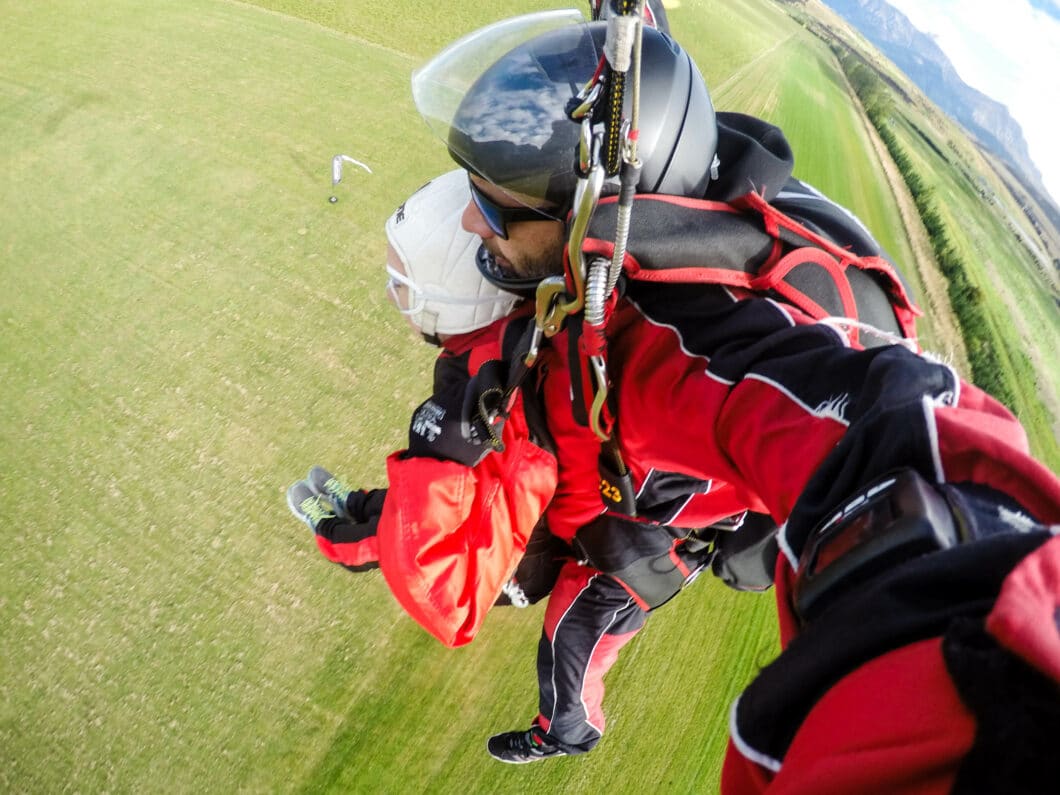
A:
x,y
775,220
616,483
774,279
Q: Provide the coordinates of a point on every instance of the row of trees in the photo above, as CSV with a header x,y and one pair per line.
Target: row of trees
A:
x,y
965,297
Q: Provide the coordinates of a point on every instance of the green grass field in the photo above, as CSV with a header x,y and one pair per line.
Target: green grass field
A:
x,y
1018,298
187,324
989,233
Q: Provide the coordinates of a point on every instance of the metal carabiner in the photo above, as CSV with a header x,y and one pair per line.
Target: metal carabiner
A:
x,y
550,315
599,398
585,201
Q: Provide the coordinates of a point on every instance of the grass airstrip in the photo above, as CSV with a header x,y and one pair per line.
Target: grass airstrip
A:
x,y
187,324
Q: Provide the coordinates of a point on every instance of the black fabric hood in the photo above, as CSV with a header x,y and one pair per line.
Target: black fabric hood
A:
x,y
753,155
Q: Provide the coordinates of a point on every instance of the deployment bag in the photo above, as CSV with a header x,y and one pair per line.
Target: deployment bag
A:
x,y
800,248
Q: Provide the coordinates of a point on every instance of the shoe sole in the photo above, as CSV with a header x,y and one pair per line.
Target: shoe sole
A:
x,y
510,761
521,761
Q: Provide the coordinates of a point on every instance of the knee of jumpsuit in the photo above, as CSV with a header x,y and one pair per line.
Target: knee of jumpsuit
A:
x,y
350,544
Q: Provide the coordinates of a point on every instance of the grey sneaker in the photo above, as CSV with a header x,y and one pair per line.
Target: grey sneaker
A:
x,y
308,506
326,485
518,748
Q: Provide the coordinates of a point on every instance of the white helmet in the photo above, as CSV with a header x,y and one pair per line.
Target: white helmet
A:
x,y
447,294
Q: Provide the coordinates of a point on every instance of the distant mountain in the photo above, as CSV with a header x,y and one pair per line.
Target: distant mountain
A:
x,y
930,69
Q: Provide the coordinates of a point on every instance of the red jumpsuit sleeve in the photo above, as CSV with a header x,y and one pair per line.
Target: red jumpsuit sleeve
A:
x,y
794,418
450,536
899,722
896,725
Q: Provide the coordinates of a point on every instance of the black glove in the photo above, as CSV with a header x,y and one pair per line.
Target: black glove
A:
x,y
462,422
539,568
746,557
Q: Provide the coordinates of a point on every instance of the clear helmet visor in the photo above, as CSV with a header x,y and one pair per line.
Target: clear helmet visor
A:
x,y
498,98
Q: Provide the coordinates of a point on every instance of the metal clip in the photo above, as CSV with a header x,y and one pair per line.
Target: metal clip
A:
x,y
550,308
587,97
599,398
588,146
585,201
535,346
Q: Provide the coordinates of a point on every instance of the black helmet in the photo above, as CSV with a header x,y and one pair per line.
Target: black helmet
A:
x,y
499,99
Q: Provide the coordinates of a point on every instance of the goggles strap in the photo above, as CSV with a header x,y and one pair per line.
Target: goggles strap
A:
x,y
422,295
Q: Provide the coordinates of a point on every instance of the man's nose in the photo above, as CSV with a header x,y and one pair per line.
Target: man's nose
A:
x,y
473,222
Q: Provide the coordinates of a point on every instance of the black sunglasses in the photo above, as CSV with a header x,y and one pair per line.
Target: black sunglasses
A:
x,y
498,217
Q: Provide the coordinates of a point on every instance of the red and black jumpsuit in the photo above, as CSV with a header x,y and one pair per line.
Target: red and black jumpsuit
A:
x,y
779,415
750,393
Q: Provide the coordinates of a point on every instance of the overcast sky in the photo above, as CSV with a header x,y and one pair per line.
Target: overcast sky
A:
x,y
1009,50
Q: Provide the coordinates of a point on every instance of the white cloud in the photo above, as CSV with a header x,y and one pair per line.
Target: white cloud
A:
x,y
1009,51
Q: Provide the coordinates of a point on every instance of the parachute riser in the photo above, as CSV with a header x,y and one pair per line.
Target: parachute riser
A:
x,y
610,152
623,52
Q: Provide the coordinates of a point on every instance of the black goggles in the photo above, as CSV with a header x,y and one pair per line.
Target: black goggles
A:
x,y
498,217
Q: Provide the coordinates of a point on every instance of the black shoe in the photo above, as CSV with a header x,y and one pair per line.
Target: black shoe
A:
x,y
518,748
